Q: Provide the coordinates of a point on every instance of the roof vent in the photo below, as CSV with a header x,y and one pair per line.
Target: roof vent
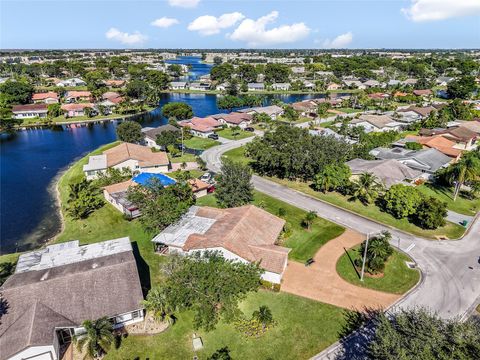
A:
x,y
94,265
45,276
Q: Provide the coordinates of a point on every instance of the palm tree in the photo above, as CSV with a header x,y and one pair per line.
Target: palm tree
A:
x,y
467,169
366,188
263,315
98,337
157,303
308,220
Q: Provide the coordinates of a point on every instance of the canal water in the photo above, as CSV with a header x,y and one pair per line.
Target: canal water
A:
x,y
32,160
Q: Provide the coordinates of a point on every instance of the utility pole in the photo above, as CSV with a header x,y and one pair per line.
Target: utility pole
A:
x,y
364,257
182,139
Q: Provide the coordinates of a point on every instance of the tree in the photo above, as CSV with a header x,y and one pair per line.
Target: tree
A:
x,y
232,87
83,199
217,60
309,218
322,109
378,252
89,111
177,111
401,201
161,206
130,131
461,88
15,92
412,145
175,70
366,188
137,89
290,113
418,334
465,170
430,213
235,131
167,138
234,187
263,315
222,72
156,303
221,354
210,285
112,176
277,73
6,269
332,177
98,337
247,73
229,102
54,110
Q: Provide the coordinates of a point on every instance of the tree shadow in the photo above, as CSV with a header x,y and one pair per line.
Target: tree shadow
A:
x,y
4,306
352,262
143,269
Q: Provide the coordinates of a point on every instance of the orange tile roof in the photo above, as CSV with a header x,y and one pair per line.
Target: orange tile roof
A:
x,y
246,231
198,185
142,154
43,96
78,93
119,187
75,107
437,142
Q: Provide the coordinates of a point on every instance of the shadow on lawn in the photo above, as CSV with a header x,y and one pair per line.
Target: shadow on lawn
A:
x,y
143,269
351,262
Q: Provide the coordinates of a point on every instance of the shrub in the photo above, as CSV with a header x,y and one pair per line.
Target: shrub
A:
x,y
430,214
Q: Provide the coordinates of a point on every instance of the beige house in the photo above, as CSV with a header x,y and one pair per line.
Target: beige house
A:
x,y
134,157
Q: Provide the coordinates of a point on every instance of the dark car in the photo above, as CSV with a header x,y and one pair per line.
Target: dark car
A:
x,y
251,129
213,136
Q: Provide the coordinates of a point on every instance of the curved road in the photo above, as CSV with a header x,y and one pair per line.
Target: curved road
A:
x,y
451,269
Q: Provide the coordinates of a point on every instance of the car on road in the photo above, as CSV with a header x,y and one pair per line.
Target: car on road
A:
x,y
207,177
213,136
251,129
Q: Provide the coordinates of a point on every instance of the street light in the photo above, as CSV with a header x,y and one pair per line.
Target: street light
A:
x,y
364,258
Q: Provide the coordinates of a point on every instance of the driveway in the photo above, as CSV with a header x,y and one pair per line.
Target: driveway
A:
x,y
321,282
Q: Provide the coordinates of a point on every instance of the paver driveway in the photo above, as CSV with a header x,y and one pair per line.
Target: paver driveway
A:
x,y
321,282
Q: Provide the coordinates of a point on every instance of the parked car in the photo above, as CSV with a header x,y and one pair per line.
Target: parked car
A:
x,y
207,177
251,129
211,189
213,136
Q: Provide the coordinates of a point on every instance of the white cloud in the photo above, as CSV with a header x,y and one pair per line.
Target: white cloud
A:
x,y
164,22
255,34
125,38
184,3
340,42
430,10
210,25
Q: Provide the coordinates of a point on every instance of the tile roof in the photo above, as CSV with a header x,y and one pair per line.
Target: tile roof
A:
x,y
379,121
436,142
234,118
144,155
30,107
43,96
152,133
76,107
201,124
78,93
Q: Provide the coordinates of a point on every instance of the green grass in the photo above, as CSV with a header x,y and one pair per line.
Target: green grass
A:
x,y
304,327
193,173
451,230
200,143
237,155
461,205
398,278
304,243
348,110
239,134
182,158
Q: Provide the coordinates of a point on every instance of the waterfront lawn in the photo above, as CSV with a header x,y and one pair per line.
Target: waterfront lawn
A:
x,y
237,155
303,328
461,205
304,243
200,143
451,230
229,134
397,278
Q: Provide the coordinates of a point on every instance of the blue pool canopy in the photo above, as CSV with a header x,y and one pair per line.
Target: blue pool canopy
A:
x,y
145,178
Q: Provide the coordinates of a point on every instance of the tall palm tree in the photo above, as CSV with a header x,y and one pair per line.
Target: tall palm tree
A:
x,y
366,188
98,338
467,169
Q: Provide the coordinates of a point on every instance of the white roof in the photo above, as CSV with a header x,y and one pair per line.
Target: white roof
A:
x,y
96,162
69,253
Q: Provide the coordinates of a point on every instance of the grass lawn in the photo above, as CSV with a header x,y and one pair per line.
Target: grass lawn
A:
x,y
200,143
451,230
461,205
304,243
182,158
237,155
398,277
304,327
229,134
348,110
193,173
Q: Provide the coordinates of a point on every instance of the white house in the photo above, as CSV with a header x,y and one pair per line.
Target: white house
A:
x,y
199,86
245,234
376,123
255,86
178,85
281,86
56,288
30,111
71,82
134,157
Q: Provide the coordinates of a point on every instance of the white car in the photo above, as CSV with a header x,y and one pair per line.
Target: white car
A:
x,y
207,177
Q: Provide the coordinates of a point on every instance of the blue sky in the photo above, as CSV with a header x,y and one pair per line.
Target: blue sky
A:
x,y
240,24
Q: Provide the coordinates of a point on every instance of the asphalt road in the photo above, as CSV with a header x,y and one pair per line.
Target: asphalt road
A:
x,y
450,282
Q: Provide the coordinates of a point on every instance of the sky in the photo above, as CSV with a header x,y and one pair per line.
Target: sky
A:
x,y
317,24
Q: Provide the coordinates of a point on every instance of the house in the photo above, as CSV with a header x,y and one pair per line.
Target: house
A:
x,y
74,110
110,95
73,82
152,133
473,125
281,86
376,123
438,142
202,127
423,93
56,288
50,97
116,194
443,80
199,187
308,85
30,111
245,234
333,86
371,83
298,69
199,86
273,111
255,87
393,83
330,132
178,85
222,86
234,119
74,96
464,138
428,161
354,84
114,83
377,96
306,108
414,113
388,172
409,82
134,157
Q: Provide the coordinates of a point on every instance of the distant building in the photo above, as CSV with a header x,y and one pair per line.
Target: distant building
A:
x,y
50,97
376,123
255,87
71,82
30,111
234,119
178,85
281,86
152,133
273,111
202,127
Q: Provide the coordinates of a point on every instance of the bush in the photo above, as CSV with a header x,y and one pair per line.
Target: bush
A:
x,y
430,214
267,285
130,131
378,252
401,201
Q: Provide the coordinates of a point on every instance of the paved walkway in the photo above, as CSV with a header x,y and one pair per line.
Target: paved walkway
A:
x,y
321,282
458,218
